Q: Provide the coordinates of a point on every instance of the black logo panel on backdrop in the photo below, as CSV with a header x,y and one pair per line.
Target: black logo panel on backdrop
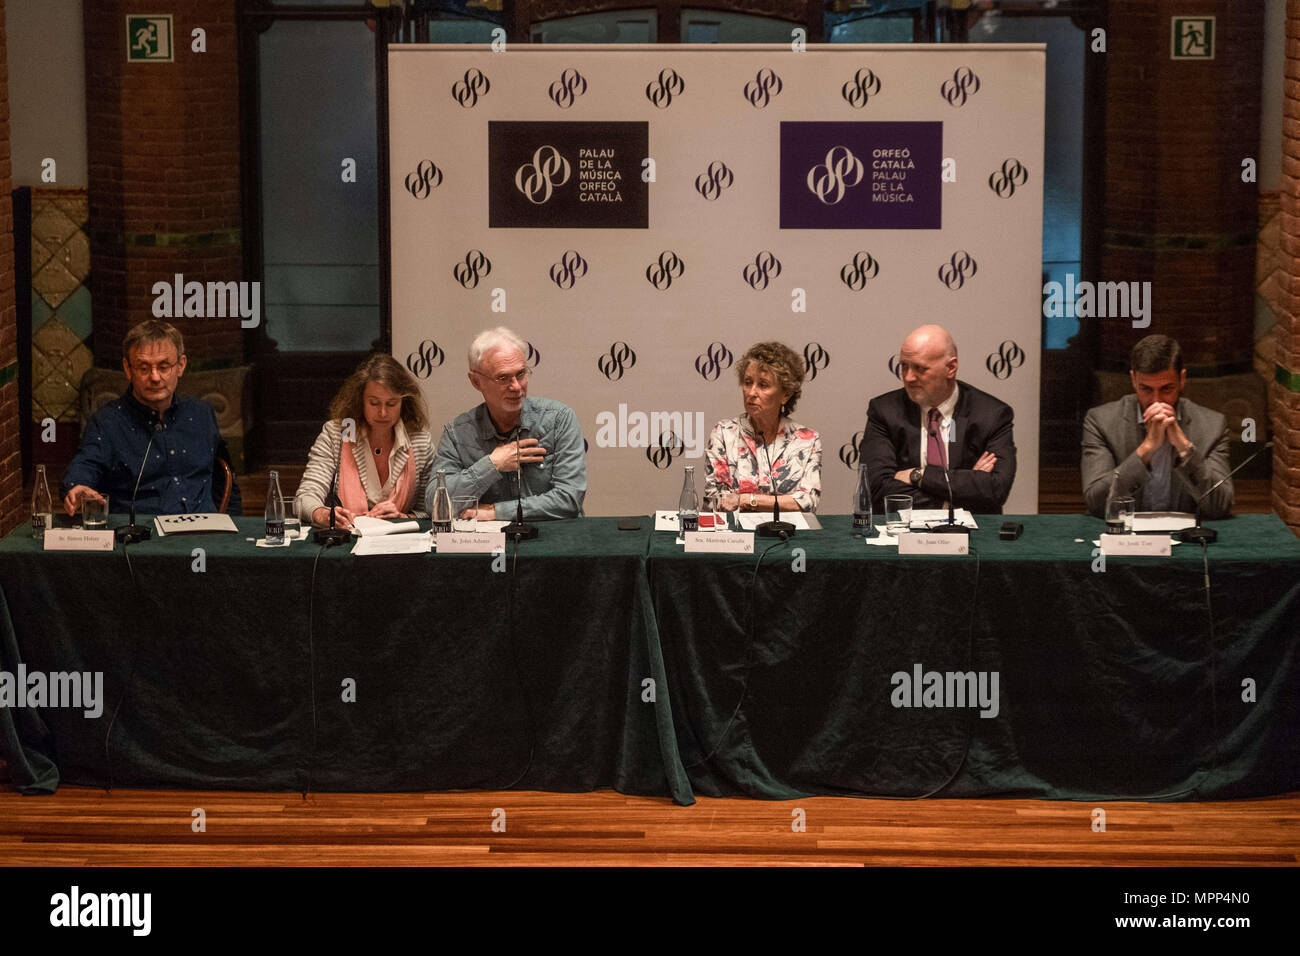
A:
x,y
861,175
567,175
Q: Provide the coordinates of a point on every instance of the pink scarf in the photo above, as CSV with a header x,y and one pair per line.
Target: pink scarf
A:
x,y
353,494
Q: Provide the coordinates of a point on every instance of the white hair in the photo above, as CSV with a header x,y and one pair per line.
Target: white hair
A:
x,y
490,339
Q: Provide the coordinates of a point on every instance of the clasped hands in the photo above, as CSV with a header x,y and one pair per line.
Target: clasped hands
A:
x,y
343,517
1162,426
985,463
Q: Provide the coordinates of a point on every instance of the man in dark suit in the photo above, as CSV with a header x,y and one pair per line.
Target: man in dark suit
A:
x,y
935,420
1155,445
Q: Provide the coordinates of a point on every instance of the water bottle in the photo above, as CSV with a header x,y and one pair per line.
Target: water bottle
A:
x,y
688,506
862,505
441,505
274,512
42,506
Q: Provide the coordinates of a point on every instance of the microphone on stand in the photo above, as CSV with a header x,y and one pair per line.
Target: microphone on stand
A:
x,y
333,535
776,528
133,532
1196,533
952,525
519,529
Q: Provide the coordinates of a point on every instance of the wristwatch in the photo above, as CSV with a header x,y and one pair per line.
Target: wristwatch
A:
x,y
751,502
915,478
1186,453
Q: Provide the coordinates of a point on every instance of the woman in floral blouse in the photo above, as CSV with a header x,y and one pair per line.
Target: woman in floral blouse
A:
x,y
771,380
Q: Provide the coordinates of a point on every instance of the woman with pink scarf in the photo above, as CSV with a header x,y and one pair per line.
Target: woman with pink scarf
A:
x,y
378,439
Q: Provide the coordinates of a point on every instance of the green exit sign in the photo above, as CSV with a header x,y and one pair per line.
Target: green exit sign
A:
x,y
1192,38
149,38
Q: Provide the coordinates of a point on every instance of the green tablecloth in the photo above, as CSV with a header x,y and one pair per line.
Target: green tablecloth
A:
x,y
1104,676
1109,683
462,676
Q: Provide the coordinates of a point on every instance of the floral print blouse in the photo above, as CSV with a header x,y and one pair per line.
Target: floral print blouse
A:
x,y
738,465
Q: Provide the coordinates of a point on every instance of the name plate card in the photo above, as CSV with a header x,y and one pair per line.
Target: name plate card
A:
x,y
719,542
469,542
1150,545
933,542
77,539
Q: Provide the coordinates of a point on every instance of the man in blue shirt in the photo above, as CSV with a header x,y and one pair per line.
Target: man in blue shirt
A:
x,y
512,444
180,435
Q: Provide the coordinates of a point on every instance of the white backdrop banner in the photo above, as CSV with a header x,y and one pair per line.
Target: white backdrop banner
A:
x,y
641,215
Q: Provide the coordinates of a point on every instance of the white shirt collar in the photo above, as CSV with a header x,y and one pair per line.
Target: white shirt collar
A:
x,y
946,407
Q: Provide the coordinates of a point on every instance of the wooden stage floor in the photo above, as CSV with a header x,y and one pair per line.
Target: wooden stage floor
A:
x,y
80,827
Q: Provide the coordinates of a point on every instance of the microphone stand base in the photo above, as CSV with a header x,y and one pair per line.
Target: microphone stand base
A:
x,y
331,536
132,533
1197,535
520,531
947,528
775,529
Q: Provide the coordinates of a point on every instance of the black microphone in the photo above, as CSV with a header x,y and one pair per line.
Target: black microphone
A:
x,y
1196,533
776,528
136,532
333,535
951,525
519,529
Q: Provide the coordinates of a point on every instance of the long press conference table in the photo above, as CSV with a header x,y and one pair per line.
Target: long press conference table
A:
x,y
608,658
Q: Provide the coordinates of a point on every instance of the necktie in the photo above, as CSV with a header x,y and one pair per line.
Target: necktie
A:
x,y
1157,490
936,453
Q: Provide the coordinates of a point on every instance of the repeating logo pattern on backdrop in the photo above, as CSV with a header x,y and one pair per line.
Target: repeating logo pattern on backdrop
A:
x,y
467,90
960,87
661,90
534,357
569,269
841,171
955,271
425,359
538,180
760,90
857,273
815,359
566,90
857,91
759,273
849,451
665,269
619,358
474,268
715,360
426,178
1005,360
714,180
1004,181
667,447
895,369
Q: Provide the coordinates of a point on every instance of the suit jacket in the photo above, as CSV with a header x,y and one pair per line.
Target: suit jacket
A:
x,y
891,442
1111,435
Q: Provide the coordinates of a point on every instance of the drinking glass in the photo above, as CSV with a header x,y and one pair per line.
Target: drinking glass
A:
x,y
292,523
464,513
898,513
94,514
1119,515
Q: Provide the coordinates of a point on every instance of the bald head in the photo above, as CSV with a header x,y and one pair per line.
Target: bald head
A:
x,y
928,365
931,341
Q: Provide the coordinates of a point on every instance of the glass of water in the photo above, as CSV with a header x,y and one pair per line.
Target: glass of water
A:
x,y
464,513
1119,515
292,523
94,514
898,514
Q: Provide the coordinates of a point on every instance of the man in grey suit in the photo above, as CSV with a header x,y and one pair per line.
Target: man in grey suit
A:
x,y
1154,445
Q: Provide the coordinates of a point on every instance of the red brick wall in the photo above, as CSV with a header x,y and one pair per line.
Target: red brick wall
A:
x,y
163,142
1176,133
1285,402
12,508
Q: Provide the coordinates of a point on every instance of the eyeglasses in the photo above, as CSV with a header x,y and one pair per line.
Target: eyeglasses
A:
x,y
506,379
144,369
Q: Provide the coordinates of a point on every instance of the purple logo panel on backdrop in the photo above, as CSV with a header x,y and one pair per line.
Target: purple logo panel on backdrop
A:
x,y
861,175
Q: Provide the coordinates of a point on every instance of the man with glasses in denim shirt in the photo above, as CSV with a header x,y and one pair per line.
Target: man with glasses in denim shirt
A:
x,y
512,444
180,434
